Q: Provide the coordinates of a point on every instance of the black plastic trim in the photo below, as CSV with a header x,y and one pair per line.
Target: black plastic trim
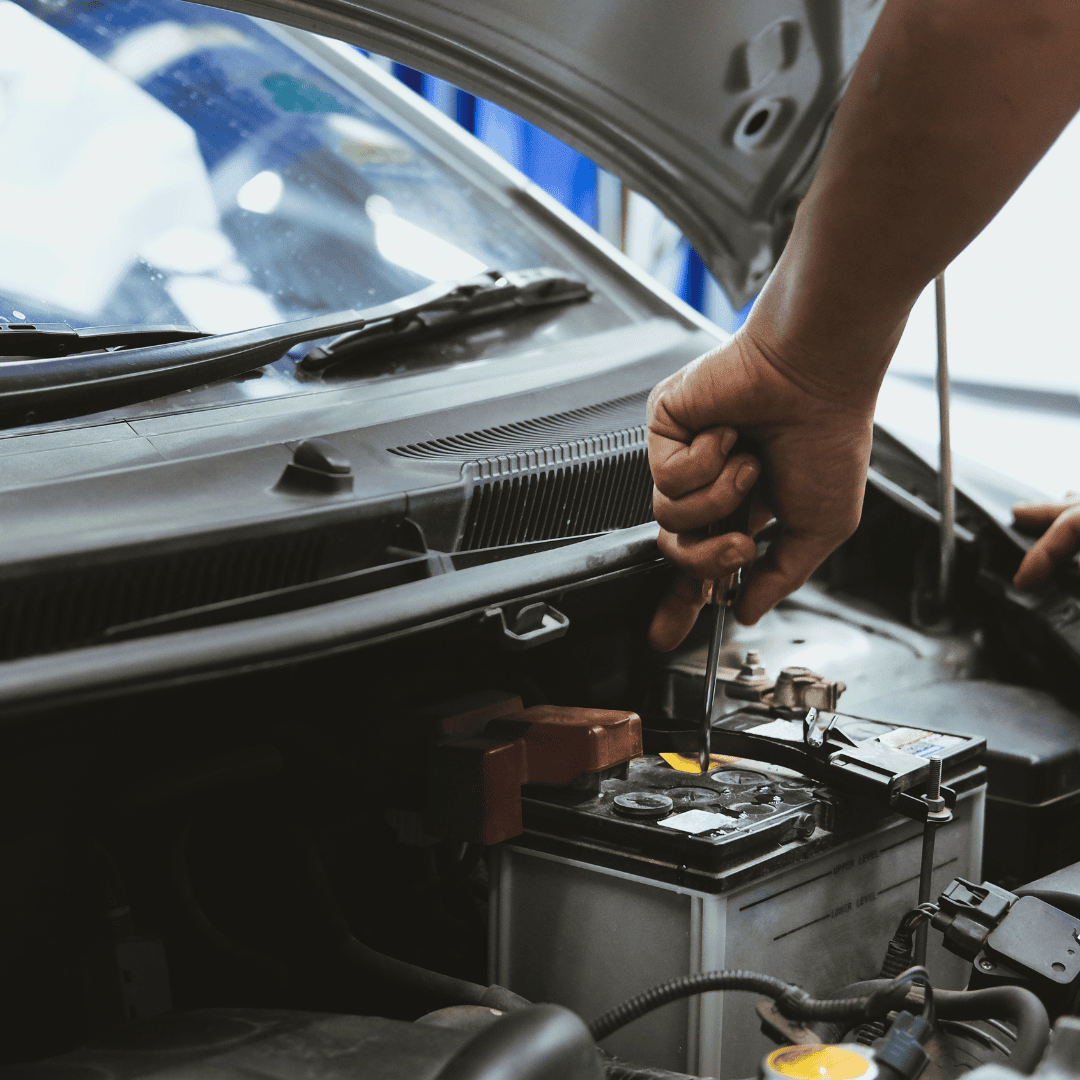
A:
x,y
43,682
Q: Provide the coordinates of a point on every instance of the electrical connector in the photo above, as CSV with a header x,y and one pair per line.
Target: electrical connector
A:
x,y
901,1056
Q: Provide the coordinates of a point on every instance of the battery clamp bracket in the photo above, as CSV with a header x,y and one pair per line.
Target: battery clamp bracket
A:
x,y
791,720
868,770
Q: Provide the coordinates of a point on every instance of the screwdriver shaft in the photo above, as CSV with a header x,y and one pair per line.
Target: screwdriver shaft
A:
x,y
721,595
712,666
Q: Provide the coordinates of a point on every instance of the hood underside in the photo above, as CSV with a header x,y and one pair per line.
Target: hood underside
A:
x,y
715,111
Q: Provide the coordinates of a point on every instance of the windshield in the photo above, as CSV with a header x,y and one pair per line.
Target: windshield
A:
x,y
173,163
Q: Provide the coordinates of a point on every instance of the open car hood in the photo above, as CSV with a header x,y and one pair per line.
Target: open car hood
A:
x,y
715,110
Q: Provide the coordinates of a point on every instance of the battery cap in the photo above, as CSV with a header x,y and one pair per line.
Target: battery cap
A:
x,y
818,1061
643,804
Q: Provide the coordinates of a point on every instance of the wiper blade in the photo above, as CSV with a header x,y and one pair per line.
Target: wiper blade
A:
x,y
55,387
60,339
487,296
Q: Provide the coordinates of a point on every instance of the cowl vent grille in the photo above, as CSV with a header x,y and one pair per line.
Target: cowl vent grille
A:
x,y
587,497
602,419
73,608
567,474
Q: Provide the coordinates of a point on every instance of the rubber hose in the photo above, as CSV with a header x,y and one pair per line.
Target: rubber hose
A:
x,y
272,969
542,1042
792,1001
432,985
1015,1004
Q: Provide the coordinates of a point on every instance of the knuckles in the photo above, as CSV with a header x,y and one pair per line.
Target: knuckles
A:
x,y
666,479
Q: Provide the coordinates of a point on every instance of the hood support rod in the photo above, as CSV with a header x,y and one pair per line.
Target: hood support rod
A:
x,y
946,495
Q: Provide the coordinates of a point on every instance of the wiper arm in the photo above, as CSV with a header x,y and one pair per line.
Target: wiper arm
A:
x,y
487,296
54,387
59,339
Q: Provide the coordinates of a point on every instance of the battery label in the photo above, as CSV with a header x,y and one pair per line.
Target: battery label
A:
x,y
786,730
918,742
697,821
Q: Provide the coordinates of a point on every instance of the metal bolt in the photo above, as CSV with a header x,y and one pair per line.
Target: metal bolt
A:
x,y
936,814
751,666
751,673
933,786
935,804
986,965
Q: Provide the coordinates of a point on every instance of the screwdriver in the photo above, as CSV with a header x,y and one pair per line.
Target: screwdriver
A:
x,y
722,593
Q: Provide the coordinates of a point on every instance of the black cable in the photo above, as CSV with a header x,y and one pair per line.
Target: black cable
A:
x,y
431,985
918,973
899,956
792,1001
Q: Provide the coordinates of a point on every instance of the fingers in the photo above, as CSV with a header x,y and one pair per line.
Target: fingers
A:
x,y
677,613
1040,513
711,503
682,462
703,559
1057,543
706,558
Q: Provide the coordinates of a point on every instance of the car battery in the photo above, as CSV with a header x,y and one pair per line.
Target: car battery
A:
x,y
751,865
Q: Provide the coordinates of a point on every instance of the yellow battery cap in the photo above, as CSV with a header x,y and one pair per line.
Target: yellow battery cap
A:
x,y
818,1061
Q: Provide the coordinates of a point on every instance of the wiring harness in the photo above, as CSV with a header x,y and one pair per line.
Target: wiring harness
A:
x,y
794,1002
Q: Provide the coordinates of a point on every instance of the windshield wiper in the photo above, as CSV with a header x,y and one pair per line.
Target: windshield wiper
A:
x,y
487,296
60,339
59,385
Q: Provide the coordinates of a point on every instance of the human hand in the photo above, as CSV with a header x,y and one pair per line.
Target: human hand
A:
x,y
814,447
1059,542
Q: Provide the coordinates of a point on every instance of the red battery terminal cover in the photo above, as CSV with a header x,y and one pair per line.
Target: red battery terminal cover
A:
x,y
475,776
562,744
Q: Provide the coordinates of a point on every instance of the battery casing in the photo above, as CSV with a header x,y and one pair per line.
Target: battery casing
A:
x,y
588,909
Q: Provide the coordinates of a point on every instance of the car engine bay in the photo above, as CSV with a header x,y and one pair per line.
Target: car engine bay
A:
x,y
333,746
369,863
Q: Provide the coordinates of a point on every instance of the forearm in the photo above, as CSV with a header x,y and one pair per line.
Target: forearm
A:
x,y
951,105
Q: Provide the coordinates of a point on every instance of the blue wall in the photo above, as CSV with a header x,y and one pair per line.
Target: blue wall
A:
x,y
559,169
